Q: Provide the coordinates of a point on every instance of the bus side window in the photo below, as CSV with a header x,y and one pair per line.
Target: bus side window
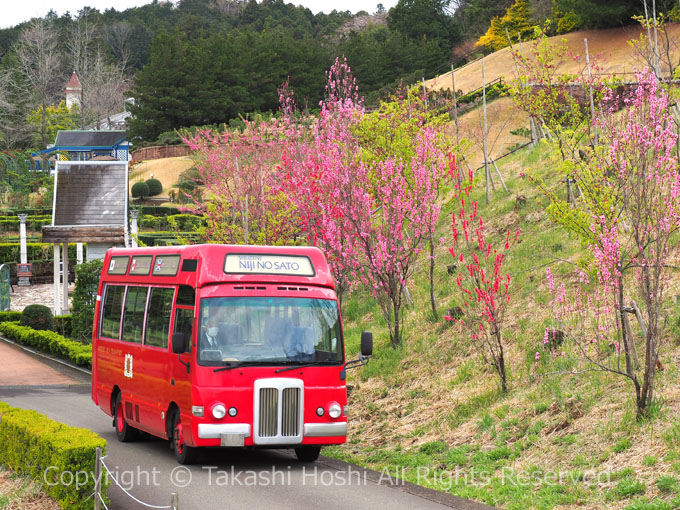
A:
x,y
133,321
158,317
184,320
111,311
185,296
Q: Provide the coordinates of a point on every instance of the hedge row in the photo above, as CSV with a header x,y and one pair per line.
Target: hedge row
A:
x,y
30,217
10,252
30,211
60,457
10,316
157,210
183,222
165,238
49,342
63,323
32,225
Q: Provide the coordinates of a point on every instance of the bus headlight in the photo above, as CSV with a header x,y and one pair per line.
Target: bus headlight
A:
x,y
218,411
233,411
334,410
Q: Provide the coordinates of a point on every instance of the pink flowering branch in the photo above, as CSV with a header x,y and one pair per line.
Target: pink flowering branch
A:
x,y
483,283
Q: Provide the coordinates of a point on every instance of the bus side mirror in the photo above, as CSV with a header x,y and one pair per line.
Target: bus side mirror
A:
x,y
179,343
364,356
366,343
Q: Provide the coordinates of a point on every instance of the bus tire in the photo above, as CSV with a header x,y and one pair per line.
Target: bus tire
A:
x,y
307,453
124,432
183,453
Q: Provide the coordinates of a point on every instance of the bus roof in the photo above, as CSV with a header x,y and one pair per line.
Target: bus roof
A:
x,y
216,263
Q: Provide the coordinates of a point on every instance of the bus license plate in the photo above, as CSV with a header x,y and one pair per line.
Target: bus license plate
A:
x,y
232,439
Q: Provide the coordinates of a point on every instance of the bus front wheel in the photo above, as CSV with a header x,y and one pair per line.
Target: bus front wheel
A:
x,y
183,453
307,453
124,432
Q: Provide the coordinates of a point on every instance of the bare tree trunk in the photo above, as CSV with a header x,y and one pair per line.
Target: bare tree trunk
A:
x,y
43,125
395,332
500,361
432,302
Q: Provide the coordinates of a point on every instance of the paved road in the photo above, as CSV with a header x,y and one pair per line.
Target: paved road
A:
x,y
224,479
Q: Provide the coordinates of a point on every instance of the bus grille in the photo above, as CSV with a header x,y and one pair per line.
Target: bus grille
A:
x,y
269,407
290,426
279,404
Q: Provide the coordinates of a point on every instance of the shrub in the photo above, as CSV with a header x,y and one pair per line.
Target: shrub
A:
x,y
63,324
155,187
140,190
37,317
84,298
33,445
49,342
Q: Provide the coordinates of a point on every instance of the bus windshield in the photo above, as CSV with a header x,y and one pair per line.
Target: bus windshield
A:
x,y
269,330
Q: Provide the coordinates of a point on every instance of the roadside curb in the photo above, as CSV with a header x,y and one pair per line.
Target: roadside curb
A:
x,y
79,373
443,498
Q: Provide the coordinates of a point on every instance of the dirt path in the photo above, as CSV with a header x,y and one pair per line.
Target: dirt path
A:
x,y
18,369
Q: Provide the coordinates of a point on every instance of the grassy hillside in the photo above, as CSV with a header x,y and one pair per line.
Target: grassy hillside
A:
x,y
561,441
610,46
166,170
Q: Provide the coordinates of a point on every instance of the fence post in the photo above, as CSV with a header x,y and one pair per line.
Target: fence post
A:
x,y
174,501
98,480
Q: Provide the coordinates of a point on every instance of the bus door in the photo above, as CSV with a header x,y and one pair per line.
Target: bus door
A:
x,y
183,322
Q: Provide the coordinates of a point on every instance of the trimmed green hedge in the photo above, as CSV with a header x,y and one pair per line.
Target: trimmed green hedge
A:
x,y
166,238
41,211
9,252
60,457
13,225
49,342
157,210
10,316
182,222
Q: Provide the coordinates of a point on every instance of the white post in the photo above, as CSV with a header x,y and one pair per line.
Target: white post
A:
x,y
486,152
98,479
23,257
590,88
64,307
79,253
134,213
57,311
455,102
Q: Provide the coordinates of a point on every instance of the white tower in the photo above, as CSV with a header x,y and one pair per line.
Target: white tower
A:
x,y
73,91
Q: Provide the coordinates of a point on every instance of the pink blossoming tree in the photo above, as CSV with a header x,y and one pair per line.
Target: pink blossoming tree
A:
x,y
483,283
242,204
370,219
632,243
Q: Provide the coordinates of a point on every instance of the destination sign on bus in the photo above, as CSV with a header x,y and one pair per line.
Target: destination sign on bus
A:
x,y
255,263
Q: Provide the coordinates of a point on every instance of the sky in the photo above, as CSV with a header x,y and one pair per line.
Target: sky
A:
x,y
13,12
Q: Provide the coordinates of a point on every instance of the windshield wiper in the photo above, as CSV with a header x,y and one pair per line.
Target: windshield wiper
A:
x,y
228,365
303,365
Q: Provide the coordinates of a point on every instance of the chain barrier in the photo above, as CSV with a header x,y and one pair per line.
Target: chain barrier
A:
x,y
174,499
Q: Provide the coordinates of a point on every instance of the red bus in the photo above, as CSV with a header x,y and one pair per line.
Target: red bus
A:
x,y
216,345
